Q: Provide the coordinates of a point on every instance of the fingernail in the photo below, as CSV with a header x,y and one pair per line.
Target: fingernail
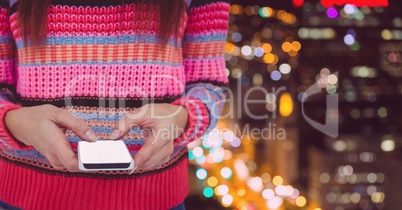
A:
x,y
91,135
132,170
114,134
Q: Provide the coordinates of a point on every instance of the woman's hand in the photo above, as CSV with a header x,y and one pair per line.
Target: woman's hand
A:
x,y
162,123
43,127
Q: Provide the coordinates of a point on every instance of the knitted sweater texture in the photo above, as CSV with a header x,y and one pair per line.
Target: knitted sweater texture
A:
x,y
99,63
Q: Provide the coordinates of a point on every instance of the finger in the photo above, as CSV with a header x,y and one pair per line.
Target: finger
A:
x,y
122,127
65,154
161,163
77,125
55,162
48,152
125,124
158,158
150,148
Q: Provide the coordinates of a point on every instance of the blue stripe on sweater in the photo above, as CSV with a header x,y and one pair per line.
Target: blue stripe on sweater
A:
x,y
36,156
199,124
6,39
203,92
102,63
126,39
205,37
101,40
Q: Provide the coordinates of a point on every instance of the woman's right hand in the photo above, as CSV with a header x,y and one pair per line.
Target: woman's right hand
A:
x,y
43,127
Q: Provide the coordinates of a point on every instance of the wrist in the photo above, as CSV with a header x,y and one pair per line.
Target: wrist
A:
x,y
183,117
197,120
11,123
9,126
180,119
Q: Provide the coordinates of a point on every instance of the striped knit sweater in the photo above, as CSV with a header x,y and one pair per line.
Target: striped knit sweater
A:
x,y
95,56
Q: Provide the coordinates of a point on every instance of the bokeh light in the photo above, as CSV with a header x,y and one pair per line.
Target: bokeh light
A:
x,y
277,180
221,190
201,173
208,192
332,12
275,202
276,75
227,200
226,172
285,68
212,181
301,201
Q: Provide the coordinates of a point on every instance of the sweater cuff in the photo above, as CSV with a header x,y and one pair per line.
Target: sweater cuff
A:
x,y
198,120
6,139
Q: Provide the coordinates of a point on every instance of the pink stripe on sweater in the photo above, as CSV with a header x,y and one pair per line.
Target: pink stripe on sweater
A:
x,y
6,76
213,69
209,18
123,80
104,21
4,27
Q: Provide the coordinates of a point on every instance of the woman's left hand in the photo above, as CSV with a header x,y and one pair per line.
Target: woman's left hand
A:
x,y
162,123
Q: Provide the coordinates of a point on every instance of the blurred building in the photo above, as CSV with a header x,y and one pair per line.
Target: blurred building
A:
x,y
351,174
354,52
262,56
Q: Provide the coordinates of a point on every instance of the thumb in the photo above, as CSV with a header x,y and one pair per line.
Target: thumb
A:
x,y
78,126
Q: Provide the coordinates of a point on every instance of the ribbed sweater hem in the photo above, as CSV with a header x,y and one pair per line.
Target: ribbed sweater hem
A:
x,y
28,187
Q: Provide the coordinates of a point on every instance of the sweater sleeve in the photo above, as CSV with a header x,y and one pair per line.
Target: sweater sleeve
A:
x,y
7,76
203,59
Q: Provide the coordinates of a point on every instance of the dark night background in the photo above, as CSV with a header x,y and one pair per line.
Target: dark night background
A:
x,y
358,169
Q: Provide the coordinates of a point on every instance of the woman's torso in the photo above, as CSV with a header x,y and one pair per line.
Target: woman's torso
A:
x,y
99,61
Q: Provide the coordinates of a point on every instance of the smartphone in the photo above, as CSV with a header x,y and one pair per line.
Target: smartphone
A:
x,y
104,155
